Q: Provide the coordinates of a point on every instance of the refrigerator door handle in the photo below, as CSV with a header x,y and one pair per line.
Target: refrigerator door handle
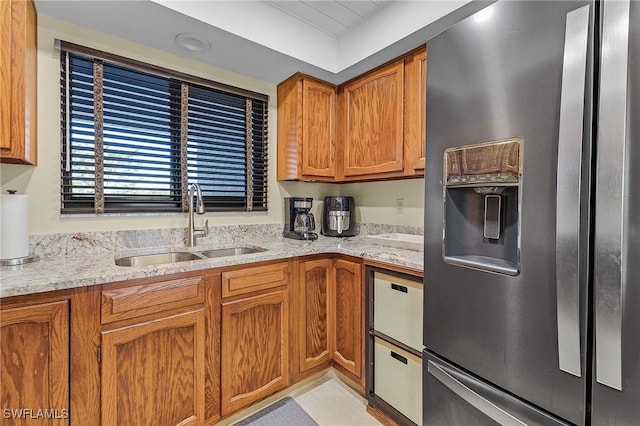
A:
x,y
574,70
491,410
611,191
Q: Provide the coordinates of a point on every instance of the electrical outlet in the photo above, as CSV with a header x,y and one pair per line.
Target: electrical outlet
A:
x,y
399,205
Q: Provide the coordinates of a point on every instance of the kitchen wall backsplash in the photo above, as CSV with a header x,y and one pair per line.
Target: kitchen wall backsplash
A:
x,y
71,244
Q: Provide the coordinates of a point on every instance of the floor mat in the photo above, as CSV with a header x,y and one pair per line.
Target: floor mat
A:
x,y
282,412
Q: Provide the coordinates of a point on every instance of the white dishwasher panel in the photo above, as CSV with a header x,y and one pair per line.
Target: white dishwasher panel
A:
x,y
398,379
397,309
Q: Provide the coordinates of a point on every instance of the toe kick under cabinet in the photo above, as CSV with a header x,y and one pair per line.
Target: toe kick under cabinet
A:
x,y
394,317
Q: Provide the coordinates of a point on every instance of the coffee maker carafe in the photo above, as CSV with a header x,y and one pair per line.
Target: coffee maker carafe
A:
x,y
338,217
299,221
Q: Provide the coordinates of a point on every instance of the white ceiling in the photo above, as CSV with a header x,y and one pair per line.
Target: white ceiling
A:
x,y
331,16
271,39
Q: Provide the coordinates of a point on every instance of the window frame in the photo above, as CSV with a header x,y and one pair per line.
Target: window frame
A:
x,y
98,202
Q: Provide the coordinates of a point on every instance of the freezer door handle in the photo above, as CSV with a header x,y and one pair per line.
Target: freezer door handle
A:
x,y
446,376
397,356
611,193
572,97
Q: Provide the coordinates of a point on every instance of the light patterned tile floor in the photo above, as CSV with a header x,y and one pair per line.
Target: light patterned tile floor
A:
x,y
328,400
333,403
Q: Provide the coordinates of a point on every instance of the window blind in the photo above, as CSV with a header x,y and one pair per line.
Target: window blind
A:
x,y
135,136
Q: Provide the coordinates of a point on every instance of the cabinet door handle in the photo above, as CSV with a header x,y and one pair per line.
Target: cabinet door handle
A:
x,y
399,357
399,288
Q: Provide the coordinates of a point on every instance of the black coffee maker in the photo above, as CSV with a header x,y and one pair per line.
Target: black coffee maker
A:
x,y
339,217
299,222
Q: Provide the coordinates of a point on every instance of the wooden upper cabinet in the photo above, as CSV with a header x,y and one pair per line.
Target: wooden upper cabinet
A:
x,y
306,129
18,82
415,111
318,129
373,113
369,128
34,361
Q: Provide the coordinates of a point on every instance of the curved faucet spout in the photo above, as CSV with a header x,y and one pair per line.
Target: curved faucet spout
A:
x,y
199,203
194,232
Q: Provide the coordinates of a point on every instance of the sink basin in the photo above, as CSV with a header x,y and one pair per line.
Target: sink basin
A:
x,y
157,259
399,240
183,256
233,251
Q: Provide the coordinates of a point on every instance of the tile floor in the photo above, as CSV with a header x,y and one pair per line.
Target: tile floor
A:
x,y
325,398
333,403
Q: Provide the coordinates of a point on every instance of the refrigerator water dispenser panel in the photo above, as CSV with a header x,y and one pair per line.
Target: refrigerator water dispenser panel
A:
x,y
481,199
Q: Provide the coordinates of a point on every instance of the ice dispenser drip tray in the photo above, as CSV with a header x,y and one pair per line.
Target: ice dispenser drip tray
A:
x,y
481,206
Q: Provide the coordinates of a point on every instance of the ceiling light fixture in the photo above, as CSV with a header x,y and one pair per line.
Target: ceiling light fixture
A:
x,y
192,42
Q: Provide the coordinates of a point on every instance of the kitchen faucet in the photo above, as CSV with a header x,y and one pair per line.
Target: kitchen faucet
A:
x,y
194,232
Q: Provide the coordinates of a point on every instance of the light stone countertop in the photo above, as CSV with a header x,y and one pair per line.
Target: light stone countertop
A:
x,y
64,271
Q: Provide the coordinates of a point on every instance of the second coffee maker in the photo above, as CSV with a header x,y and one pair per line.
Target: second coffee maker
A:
x,y
338,217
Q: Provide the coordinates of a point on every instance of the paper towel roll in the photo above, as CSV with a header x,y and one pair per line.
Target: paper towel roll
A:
x,y
14,226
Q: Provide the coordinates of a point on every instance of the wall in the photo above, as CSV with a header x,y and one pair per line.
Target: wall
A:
x,y
376,201
42,182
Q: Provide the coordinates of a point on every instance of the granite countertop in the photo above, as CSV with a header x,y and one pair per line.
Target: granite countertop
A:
x,y
63,271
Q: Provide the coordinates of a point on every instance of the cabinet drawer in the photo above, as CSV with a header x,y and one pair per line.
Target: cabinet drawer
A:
x,y
398,379
397,309
247,280
137,300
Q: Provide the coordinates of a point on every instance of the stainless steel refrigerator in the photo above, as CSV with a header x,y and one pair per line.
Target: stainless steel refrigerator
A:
x,y
532,216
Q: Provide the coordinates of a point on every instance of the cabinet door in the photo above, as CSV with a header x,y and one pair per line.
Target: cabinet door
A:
x,y
373,107
155,370
415,112
347,299
5,75
35,363
18,81
255,347
318,129
314,334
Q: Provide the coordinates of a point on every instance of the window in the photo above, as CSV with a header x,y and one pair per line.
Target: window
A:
x,y
136,136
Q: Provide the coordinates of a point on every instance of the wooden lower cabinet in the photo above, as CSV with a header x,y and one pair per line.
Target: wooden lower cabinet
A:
x,y
175,350
313,300
255,360
153,372
34,364
329,320
347,322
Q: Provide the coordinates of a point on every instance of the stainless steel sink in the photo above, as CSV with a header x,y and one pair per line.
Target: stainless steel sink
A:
x,y
233,251
183,256
157,259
